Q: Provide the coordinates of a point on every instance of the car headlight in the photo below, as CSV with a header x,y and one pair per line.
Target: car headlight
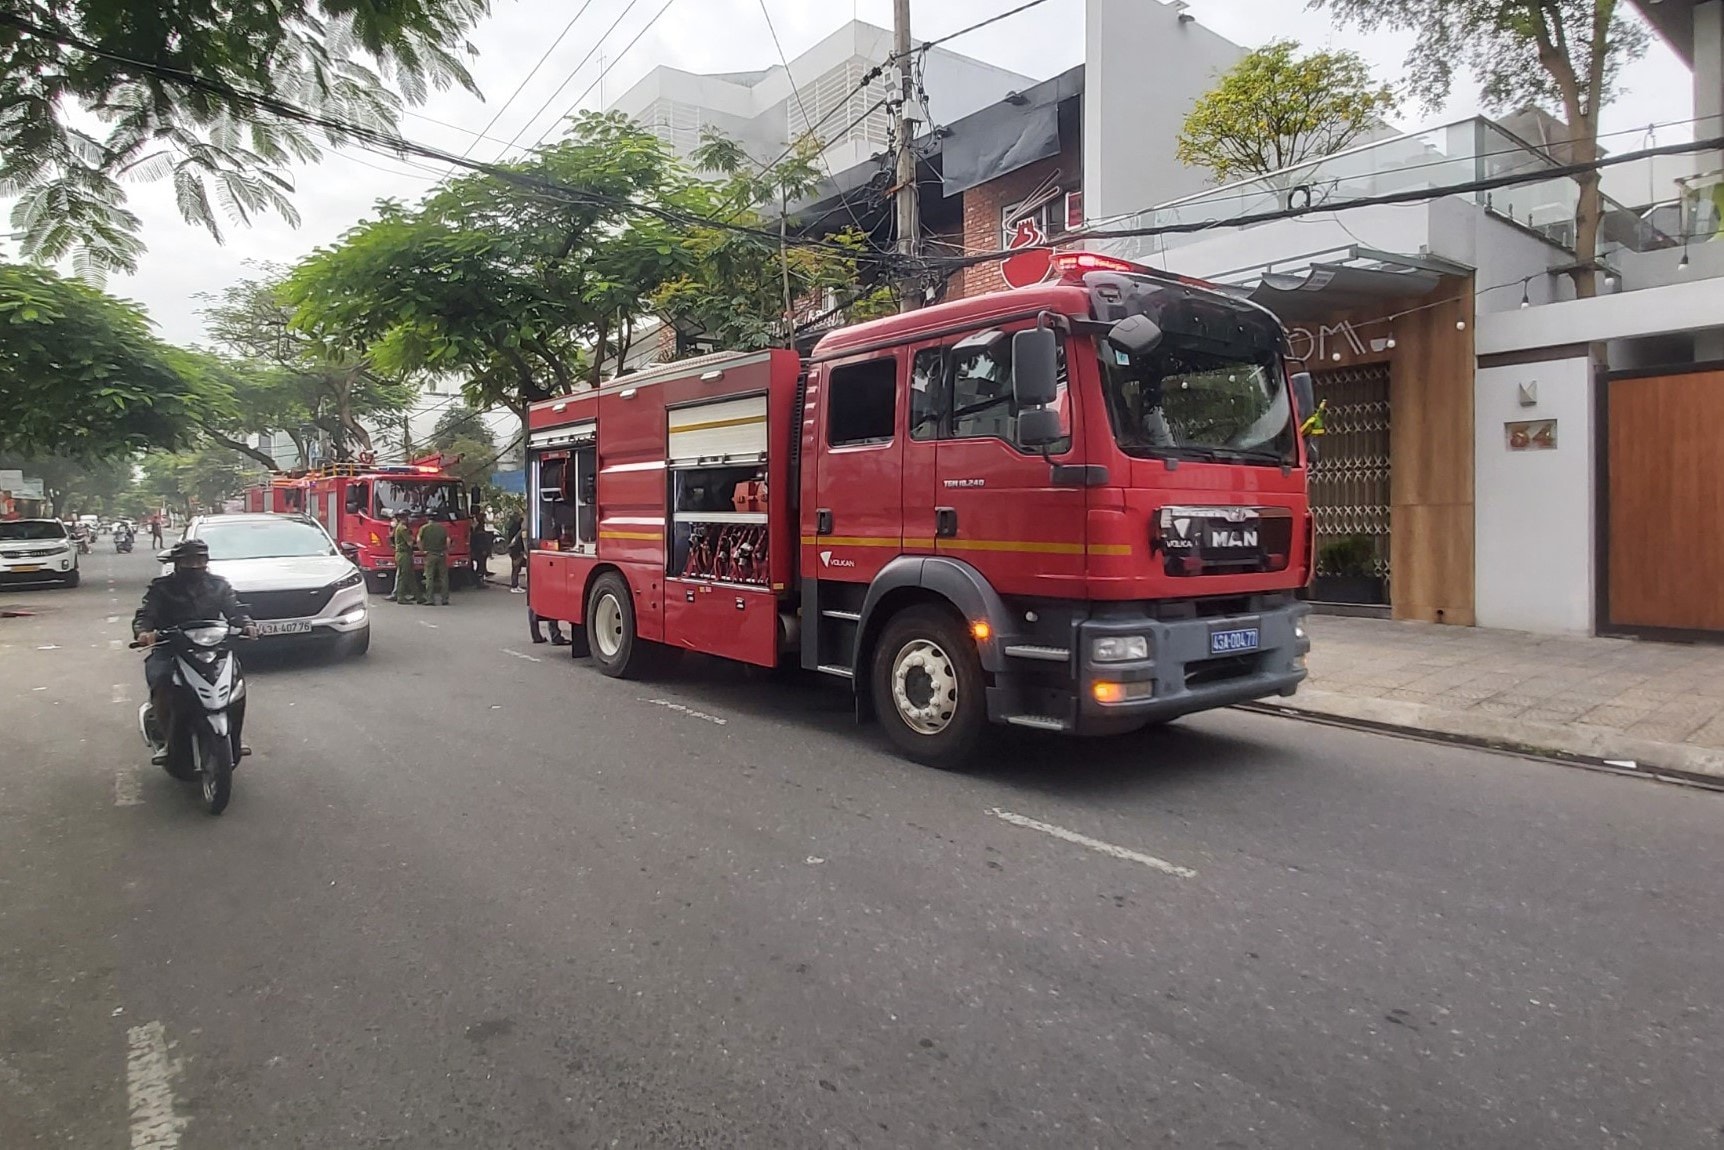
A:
x,y
352,580
1119,648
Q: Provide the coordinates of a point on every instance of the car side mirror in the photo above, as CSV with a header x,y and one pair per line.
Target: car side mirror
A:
x,y
1035,368
1039,427
1136,334
351,550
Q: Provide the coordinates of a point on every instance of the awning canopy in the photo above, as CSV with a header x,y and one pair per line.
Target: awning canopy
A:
x,y
1360,280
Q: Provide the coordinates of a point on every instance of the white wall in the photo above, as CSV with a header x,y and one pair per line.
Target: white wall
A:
x,y
1144,69
1534,509
1651,311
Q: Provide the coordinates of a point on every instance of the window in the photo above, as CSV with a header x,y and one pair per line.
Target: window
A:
x,y
927,393
264,539
862,402
974,395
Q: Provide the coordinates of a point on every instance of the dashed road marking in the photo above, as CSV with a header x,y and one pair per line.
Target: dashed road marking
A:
x,y
423,623
119,693
1109,849
128,789
689,711
114,618
151,1070
523,655
116,644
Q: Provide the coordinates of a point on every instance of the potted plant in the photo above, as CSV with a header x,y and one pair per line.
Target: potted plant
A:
x,y
1347,572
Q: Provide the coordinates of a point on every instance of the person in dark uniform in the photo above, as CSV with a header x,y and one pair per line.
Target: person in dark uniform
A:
x,y
407,588
480,544
190,594
514,531
434,541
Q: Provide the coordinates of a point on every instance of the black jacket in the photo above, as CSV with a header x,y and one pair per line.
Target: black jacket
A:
x,y
169,602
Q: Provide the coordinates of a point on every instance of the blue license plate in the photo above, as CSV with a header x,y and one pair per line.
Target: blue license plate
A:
x,y
1233,642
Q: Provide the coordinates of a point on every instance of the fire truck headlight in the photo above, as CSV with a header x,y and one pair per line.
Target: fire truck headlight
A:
x,y
1119,648
1298,630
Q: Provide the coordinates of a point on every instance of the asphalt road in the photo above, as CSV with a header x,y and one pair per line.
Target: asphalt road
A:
x,y
471,894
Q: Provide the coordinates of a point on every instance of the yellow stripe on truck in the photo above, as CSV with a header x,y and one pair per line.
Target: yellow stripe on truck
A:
x,y
643,536
1019,546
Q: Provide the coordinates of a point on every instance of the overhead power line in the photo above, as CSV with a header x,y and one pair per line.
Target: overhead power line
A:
x,y
604,71
569,79
341,131
528,78
976,27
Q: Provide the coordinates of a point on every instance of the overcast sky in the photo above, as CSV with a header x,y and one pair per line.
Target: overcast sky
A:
x,y
721,36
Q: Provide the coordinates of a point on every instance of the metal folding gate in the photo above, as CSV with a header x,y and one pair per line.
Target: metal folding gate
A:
x,y
1350,484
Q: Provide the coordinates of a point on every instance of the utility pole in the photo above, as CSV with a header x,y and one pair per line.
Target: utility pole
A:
x,y
909,201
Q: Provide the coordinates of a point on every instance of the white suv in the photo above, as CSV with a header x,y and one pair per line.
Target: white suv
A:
x,y
37,551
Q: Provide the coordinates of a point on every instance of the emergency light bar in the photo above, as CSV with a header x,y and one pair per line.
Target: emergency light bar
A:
x,y
1075,265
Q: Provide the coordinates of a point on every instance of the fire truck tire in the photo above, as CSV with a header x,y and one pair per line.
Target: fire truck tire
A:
x,y
617,648
930,692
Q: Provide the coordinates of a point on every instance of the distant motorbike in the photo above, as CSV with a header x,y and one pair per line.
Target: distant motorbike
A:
x,y
123,543
208,716
83,539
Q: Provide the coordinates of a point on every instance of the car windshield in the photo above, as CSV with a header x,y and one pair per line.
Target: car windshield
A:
x,y
437,499
1185,402
31,529
265,539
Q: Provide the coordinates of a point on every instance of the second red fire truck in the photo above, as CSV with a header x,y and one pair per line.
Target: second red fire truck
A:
x,y
1075,507
357,505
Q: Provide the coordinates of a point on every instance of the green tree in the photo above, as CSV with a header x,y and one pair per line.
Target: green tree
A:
x,y
102,486
737,291
1275,109
526,291
82,375
1563,55
200,479
461,422
287,382
90,96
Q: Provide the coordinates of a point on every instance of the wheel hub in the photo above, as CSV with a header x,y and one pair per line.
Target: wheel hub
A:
x,y
608,626
925,687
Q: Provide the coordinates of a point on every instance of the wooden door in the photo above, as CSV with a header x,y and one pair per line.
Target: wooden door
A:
x,y
1665,543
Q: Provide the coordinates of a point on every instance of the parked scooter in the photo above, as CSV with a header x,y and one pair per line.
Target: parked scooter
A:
x,y
208,711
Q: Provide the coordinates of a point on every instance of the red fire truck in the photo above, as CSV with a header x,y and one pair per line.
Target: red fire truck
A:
x,y
356,503
1079,507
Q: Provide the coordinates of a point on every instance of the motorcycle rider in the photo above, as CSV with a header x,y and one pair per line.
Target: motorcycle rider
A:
x,y
189,594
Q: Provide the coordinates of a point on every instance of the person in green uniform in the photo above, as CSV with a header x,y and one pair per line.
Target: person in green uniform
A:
x,y
434,541
407,589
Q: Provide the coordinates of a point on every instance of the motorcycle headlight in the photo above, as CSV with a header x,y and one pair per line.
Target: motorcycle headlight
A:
x,y
206,636
352,580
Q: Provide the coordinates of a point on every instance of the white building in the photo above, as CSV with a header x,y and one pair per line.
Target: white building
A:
x,y
765,110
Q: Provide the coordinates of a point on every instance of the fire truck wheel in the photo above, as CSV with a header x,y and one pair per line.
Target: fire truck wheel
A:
x,y
929,689
617,650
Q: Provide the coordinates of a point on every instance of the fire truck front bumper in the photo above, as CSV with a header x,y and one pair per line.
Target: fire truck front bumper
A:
x,y
1124,673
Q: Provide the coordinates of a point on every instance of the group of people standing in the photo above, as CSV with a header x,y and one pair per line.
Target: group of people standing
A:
x,y
432,541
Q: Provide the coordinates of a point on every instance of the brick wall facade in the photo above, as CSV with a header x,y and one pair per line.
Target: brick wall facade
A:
x,y
983,204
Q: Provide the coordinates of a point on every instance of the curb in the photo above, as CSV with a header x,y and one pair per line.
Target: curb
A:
x,y
1578,744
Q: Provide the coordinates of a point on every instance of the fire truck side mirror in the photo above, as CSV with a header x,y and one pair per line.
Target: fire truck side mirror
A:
x,y
476,495
1135,334
1035,368
1039,427
355,500
1304,394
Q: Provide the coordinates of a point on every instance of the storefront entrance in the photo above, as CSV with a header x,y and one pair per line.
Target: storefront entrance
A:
x,y
1350,487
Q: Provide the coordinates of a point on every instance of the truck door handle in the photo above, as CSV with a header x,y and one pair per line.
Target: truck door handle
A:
x,y
945,522
823,521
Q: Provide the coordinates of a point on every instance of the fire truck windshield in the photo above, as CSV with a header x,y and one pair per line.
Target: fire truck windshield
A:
x,y
433,499
1188,403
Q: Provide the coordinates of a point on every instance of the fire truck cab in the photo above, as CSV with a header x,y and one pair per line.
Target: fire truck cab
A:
x,y
1077,507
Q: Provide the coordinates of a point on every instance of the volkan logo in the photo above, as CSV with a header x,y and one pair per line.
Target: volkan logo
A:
x,y
826,560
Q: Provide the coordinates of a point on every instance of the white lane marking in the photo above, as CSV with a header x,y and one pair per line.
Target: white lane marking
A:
x,y
49,647
423,623
522,655
119,693
116,644
689,711
1097,845
150,1074
128,789
114,618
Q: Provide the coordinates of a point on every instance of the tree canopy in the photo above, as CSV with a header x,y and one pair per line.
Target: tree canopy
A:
x,y
1562,55
66,63
82,375
1276,108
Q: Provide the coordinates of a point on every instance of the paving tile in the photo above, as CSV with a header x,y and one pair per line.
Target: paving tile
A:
x,y
1619,717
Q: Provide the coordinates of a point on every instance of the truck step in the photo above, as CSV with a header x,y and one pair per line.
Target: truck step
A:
x,y
846,616
836,671
1038,722
1045,654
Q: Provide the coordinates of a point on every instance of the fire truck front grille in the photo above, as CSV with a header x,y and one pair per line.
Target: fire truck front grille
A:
x,y
286,604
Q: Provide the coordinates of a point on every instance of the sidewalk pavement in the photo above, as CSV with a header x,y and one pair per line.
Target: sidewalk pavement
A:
x,y
1651,707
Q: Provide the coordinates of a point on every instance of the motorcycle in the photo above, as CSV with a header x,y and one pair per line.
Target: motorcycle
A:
x,y
83,540
208,709
123,543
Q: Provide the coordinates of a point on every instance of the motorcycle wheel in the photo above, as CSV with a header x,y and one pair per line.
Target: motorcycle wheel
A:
x,y
212,755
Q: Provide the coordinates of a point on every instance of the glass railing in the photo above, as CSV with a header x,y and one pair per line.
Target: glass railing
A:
x,y
1455,154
